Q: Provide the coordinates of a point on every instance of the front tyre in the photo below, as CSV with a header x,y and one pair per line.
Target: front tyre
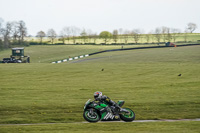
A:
x,y
91,117
128,117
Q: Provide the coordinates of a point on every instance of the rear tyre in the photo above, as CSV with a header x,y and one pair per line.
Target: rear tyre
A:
x,y
128,117
91,117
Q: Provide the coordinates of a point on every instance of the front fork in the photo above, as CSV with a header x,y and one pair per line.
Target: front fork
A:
x,y
91,111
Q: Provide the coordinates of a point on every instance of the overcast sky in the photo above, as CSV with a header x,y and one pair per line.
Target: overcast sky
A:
x,y
100,15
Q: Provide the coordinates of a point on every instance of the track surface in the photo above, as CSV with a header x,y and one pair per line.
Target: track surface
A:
x,y
140,48
142,121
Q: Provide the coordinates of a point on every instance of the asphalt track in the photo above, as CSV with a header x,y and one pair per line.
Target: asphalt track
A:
x,y
125,49
141,121
140,48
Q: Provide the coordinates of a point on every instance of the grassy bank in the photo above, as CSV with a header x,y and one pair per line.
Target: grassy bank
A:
x,y
146,79
50,53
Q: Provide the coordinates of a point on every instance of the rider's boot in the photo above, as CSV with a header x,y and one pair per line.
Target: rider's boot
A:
x,y
121,109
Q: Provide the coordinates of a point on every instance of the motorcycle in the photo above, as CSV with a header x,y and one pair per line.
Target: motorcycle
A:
x,y
95,111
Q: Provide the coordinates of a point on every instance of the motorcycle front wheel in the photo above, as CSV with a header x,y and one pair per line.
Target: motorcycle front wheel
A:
x,y
91,117
128,117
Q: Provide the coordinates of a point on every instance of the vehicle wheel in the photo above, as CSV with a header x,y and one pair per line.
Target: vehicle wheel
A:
x,y
128,117
91,117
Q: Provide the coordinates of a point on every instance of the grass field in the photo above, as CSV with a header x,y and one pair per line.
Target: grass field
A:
x,y
50,53
157,127
146,79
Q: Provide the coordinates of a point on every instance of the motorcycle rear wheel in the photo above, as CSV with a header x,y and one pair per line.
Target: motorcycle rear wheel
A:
x,y
91,117
128,117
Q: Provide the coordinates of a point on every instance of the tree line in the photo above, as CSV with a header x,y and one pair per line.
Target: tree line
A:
x,y
14,33
164,34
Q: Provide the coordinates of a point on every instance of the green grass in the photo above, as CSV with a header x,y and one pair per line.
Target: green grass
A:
x,y
152,127
146,79
51,53
47,54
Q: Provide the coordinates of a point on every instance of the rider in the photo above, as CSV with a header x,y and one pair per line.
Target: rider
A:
x,y
102,98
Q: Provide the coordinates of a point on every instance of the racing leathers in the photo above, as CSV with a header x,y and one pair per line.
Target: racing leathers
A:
x,y
107,100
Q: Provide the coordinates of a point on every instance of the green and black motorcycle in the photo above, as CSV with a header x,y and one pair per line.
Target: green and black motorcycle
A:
x,y
94,112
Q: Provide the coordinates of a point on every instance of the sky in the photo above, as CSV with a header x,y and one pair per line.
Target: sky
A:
x,y
101,15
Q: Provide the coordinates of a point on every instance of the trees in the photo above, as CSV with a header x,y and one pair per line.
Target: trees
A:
x,y
1,44
1,22
22,31
1,28
41,35
52,35
6,32
186,35
157,34
12,33
70,32
174,33
191,27
88,35
62,36
115,35
66,33
15,32
147,36
105,35
126,35
93,36
75,32
169,36
136,35
164,33
120,33
84,35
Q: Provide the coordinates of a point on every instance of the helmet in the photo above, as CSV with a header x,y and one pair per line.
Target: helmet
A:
x,y
97,95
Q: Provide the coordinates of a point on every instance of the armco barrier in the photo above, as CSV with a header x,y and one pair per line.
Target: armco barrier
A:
x,y
140,48
70,59
74,58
